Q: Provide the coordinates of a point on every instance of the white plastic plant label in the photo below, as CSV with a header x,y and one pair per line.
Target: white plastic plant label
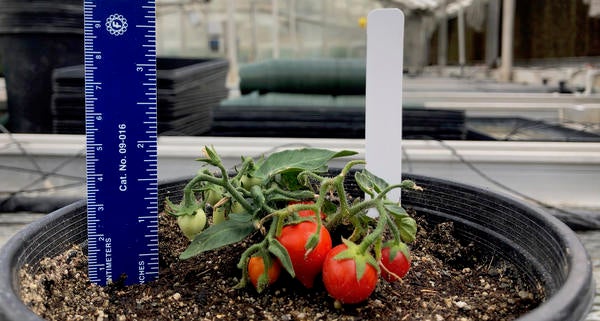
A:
x,y
383,128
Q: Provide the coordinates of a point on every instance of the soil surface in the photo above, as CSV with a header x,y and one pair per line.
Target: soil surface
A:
x,y
447,281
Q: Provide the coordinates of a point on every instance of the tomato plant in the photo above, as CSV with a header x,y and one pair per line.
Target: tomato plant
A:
x,y
344,277
306,213
192,225
261,198
256,272
307,263
395,262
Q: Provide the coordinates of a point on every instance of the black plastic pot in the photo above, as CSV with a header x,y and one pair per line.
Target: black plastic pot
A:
x,y
545,251
36,37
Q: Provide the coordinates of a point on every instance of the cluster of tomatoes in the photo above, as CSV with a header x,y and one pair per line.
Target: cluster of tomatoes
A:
x,y
339,275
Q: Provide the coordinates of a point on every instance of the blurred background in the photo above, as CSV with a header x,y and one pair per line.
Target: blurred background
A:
x,y
492,89
503,94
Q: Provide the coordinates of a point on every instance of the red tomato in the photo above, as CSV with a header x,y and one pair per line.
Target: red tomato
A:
x,y
256,267
398,266
306,213
339,277
294,238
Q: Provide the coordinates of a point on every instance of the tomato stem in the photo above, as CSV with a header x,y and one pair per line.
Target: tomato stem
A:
x,y
377,232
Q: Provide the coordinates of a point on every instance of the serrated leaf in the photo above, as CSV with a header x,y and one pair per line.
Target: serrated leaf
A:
x,y
408,228
240,217
369,182
216,236
277,249
297,160
395,209
364,183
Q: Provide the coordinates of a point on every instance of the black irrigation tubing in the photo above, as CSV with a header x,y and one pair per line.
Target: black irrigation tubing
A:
x,y
574,220
531,126
30,170
43,174
21,148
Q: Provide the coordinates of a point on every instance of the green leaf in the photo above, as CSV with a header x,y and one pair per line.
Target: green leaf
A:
x,y
277,249
290,180
395,209
329,207
369,182
297,160
219,235
241,217
408,228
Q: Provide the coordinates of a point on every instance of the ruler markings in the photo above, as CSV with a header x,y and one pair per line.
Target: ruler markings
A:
x,y
113,163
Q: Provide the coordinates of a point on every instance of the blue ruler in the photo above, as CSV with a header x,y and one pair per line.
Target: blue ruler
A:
x,y
121,139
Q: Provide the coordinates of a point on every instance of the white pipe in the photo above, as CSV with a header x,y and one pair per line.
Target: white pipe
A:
x,y
253,42
575,165
293,26
589,80
182,27
443,38
508,20
492,33
324,27
233,76
461,39
275,14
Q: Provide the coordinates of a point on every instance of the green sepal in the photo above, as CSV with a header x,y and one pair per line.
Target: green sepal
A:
x,y
263,279
408,184
360,259
312,242
180,209
212,157
279,251
396,247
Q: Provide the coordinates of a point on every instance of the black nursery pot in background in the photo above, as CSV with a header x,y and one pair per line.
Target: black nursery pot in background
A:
x,y
544,250
37,36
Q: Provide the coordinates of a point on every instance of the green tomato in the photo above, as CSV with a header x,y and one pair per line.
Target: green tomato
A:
x,y
192,225
236,207
248,181
219,215
212,196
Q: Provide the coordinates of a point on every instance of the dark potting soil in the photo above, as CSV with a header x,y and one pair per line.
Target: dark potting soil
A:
x,y
448,280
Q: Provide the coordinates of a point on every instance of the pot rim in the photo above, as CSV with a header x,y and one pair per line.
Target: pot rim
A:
x,y
579,282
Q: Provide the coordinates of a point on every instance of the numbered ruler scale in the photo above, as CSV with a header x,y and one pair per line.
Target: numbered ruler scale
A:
x,y
121,140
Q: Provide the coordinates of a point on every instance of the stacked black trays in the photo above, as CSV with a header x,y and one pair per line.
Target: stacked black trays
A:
x,y
330,122
188,91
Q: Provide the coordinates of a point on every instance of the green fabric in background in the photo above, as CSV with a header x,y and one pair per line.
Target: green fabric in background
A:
x,y
324,76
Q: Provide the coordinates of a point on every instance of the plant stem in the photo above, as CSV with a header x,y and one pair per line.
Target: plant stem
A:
x,y
377,232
